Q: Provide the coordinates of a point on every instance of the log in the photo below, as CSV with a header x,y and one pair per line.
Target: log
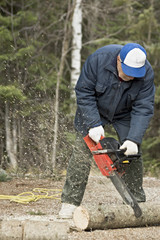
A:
x,y
115,216
33,230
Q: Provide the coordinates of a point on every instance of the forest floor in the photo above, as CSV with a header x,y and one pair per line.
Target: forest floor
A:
x,y
99,190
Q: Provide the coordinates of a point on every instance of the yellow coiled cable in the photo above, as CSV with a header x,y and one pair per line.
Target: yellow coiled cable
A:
x,y
27,197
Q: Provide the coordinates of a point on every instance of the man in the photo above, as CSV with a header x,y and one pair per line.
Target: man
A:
x,y
115,87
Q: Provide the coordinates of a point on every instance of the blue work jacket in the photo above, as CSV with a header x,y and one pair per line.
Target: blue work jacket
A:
x,y
102,98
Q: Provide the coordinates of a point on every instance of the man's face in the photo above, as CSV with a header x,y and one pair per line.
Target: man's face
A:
x,y
121,74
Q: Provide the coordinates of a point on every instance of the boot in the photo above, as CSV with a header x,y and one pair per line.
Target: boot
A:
x,y
67,210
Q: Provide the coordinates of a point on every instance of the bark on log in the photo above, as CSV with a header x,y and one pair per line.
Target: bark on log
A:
x,y
33,230
112,216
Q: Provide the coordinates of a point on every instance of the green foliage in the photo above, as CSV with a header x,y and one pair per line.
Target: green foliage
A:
x,y
4,177
47,82
145,21
5,21
36,213
11,93
23,52
5,35
27,17
117,3
70,137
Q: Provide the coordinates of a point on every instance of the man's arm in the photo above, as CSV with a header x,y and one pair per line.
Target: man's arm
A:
x,y
85,92
143,109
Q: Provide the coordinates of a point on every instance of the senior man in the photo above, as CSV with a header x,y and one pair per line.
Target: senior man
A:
x,y
116,86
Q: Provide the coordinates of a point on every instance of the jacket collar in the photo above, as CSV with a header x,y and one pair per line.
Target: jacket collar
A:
x,y
112,65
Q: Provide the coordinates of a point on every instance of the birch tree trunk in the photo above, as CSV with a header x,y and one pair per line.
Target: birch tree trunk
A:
x,y
10,141
76,44
59,76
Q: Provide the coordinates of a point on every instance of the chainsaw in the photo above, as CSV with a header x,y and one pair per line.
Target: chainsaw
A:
x,y
113,163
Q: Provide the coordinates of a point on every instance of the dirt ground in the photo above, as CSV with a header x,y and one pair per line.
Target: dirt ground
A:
x,y
99,190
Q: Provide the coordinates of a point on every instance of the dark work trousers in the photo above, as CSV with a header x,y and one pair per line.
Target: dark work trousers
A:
x,y
79,168
133,176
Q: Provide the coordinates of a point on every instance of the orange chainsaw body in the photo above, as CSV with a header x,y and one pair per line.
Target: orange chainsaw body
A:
x,y
103,161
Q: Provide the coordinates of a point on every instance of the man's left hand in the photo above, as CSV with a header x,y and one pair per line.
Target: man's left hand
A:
x,y
131,147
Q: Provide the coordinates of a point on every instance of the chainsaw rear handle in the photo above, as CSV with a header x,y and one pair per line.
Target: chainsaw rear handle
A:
x,y
103,151
128,156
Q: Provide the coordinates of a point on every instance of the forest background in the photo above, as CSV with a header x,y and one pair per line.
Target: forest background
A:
x,y
35,72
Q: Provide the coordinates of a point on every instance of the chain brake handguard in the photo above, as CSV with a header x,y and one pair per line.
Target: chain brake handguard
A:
x,y
103,161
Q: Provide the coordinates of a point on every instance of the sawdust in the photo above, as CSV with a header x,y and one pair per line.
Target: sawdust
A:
x,y
99,190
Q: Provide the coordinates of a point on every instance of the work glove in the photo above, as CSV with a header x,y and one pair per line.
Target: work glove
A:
x,y
131,147
96,133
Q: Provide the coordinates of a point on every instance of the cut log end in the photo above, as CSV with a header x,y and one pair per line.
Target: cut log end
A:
x,y
81,218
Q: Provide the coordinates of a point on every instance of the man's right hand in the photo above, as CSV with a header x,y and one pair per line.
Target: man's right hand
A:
x,y
96,133
131,147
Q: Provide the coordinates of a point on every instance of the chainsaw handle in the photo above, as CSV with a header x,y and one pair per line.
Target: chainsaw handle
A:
x,y
134,155
123,151
103,151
